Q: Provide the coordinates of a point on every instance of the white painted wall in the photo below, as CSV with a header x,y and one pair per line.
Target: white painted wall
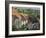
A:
x,y
2,19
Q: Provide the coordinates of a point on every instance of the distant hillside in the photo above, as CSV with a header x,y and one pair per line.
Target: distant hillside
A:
x,y
30,11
